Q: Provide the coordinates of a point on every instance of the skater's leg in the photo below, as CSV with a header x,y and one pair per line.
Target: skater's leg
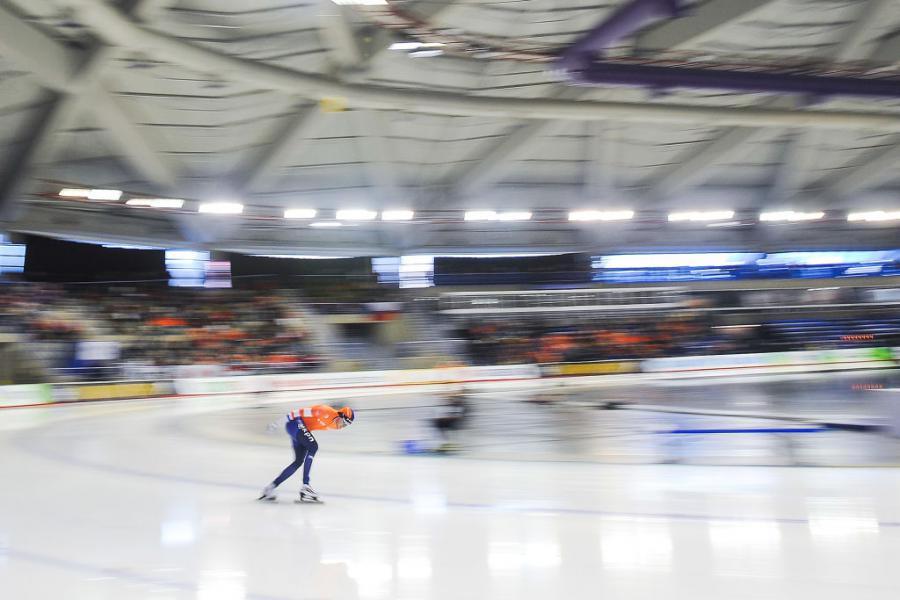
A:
x,y
299,459
311,449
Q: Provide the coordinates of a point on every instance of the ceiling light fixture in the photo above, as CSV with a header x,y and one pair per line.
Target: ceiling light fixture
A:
x,y
113,195
480,215
300,213
326,224
790,216
397,215
74,193
92,194
414,45
492,215
425,53
221,208
356,214
874,216
708,215
522,215
601,215
156,202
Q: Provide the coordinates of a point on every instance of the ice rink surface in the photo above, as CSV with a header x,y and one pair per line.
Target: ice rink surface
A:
x,y
552,497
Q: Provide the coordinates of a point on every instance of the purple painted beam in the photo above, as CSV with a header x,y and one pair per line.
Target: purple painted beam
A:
x,y
582,63
663,78
622,23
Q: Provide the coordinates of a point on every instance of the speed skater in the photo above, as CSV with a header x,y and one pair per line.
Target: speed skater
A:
x,y
299,426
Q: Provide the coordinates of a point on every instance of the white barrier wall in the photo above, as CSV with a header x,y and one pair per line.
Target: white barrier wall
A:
x,y
23,395
775,362
656,368
359,379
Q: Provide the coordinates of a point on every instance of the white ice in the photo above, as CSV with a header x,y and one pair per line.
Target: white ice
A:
x,y
155,499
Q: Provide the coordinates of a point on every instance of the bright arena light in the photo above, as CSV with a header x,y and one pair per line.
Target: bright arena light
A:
x,y
156,202
92,194
601,215
522,215
326,224
113,195
74,193
426,53
701,216
790,216
414,45
356,214
398,215
492,215
221,208
300,213
360,2
480,215
873,216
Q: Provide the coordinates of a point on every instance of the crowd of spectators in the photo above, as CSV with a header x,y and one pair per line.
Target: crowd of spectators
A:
x,y
129,331
663,334
516,341
136,331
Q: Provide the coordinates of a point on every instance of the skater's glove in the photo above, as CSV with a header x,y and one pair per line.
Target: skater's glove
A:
x,y
271,427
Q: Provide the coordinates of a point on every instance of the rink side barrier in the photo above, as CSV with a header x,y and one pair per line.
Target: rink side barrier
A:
x,y
774,362
116,390
357,379
25,395
632,371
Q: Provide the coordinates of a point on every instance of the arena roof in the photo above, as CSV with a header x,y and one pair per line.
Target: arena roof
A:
x,y
305,104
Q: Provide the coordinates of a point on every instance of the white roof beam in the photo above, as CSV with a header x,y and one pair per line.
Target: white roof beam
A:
x,y
858,38
888,50
874,168
14,176
600,173
338,34
376,151
672,35
691,170
26,45
132,143
335,27
116,28
796,160
877,166
698,26
501,157
146,10
426,10
802,146
276,153
74,75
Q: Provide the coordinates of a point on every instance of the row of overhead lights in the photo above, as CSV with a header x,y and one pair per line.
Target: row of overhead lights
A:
x,y
236,208
399,215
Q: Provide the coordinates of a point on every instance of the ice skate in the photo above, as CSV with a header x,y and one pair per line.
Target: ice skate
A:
x,y
268,494
307,494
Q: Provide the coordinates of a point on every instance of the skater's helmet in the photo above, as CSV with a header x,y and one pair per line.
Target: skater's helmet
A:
x,y
347,414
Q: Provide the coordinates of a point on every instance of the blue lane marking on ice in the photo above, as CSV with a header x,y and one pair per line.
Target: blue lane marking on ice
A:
x,y
23,442
750,430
